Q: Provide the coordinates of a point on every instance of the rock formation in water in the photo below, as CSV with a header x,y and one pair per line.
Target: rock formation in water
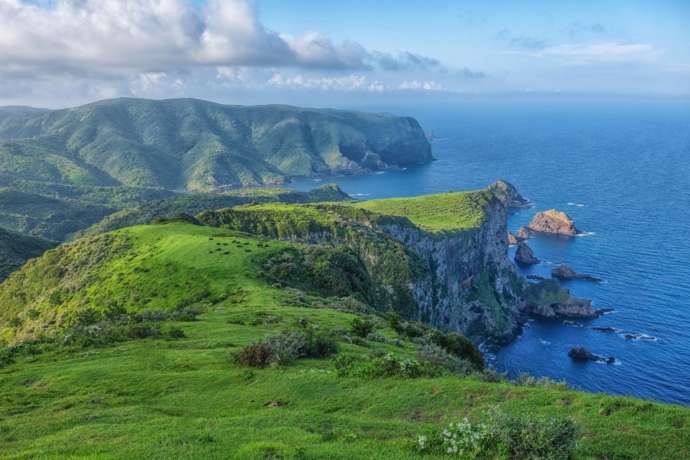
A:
x,y
512,239
524,255
582,354
564,272
553,222
522,233
548,299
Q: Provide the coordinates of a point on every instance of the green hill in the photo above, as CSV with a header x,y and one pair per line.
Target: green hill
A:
x,y
194,145
50,218
181,340
15,249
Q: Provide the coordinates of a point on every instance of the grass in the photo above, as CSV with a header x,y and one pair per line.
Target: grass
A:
x,y
436,213
162,398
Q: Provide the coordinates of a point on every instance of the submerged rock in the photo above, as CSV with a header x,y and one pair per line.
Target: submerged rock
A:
x,y
581,354
535,277
607,329
524,255
564,272
553,222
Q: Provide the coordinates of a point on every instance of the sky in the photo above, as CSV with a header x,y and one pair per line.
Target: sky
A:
x,y
56,53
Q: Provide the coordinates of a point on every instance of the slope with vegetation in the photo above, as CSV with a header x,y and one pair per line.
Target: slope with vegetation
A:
x,y
15,249
181,340
194,145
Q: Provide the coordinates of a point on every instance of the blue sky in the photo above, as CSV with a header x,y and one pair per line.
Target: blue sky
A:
x,y
59,52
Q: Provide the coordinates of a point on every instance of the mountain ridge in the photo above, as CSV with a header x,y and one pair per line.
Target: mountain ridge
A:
x,y
196,145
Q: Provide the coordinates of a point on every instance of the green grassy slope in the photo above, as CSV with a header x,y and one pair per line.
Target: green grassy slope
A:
x,y
185,398
15,249
199,145
452,211
195,203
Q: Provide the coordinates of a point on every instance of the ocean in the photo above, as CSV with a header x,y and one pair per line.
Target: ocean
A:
x,y
621,169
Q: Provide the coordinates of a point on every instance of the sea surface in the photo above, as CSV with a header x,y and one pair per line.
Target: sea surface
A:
x,y
621,170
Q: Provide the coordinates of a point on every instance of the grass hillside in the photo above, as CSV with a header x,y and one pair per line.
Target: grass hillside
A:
x,y
174,341
195,203
15,249
454,211
194,145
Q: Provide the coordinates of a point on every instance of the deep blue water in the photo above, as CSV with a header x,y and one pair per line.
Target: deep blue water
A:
x,y
621,169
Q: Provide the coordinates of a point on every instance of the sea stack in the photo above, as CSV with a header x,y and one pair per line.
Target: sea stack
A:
x,y
553,222
524,255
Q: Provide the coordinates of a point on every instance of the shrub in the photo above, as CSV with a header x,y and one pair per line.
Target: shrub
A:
x,y
6,357
459,346
535,437
527,380
387,365
286,348
255,355
439,357
361,327
176,333
504,436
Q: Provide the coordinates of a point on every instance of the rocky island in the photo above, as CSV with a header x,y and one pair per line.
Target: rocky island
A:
x,y
553,222
564,272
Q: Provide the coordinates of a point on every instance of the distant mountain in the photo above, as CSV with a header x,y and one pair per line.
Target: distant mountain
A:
x,y
15,249
194,145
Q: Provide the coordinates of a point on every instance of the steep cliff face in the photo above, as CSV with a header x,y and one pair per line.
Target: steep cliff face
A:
x,y
469,285
457,278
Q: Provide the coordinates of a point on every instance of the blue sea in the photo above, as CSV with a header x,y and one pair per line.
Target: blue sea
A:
x,y
621,169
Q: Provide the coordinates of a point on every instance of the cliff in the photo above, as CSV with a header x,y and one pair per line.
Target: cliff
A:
x,y
441,259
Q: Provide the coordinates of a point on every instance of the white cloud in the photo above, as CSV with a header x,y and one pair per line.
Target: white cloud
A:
x,y
154,35
417,85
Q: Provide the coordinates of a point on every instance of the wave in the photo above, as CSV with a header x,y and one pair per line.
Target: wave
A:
x,y
579,205
584,234
544,342
360,194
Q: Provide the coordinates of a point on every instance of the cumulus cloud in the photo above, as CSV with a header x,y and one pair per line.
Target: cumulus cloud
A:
x,y
154,35
86,49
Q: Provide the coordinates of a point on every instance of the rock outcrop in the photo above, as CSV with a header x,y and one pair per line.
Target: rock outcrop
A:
x,y
564,272
522,233
512,239
582,354
509,195
553,222
524,255
548,299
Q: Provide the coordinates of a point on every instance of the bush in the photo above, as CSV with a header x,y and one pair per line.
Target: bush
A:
x,y
176,333
459,346
535,437
387,365
439,357
361,327
527,380
6,357
504,436
286,348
